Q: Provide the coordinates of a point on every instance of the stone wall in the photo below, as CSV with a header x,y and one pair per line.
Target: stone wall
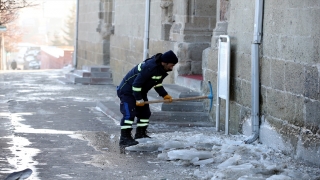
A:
x,y
289,74
182,26
192,28
94,29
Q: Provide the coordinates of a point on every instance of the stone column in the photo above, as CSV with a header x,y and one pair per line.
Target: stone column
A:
x,y
166,18
221,23
192,30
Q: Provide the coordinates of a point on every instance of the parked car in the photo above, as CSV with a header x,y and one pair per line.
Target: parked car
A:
x,y
34,65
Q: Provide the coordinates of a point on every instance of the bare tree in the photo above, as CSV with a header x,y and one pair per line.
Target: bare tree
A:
x,y
9,9
12,36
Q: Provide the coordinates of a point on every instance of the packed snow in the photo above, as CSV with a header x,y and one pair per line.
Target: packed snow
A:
x,y
217,156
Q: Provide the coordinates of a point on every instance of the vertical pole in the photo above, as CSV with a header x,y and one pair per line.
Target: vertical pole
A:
x,y
75,52
146,31
228,88
218,98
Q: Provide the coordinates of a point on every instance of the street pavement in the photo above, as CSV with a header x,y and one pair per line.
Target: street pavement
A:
x,y
57,131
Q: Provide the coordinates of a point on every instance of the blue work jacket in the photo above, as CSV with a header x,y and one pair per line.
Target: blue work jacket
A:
x,y
144,76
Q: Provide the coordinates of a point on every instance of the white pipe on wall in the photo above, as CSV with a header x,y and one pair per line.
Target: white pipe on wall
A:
x,y
146,31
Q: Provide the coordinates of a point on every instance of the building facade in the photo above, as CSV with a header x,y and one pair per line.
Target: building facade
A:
x,y
112,32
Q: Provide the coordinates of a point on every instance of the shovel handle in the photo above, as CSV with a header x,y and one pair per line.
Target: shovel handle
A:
x,y
178,99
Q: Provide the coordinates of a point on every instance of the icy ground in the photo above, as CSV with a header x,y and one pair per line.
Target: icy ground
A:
x,y
217,156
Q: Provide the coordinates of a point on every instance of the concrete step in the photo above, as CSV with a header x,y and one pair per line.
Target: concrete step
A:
x,y
96,68
76,79
84,73
183,106
181,118
93,75
202,119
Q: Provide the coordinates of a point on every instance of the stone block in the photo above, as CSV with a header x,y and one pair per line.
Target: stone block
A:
x,y
243,42
305,19
271,45
205,8
294,106
198,23
120,41
277,78
286,47
196,49
244,114
275,103
184,67
303,50
311,83
275,21
137,45
265,74
97,80
246,93
212,62
240,66
235,119
206,38
312,114
196,67
165,31
294,78
235,90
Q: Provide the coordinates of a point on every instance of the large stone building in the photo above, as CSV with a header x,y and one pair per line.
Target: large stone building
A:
x,y
112,32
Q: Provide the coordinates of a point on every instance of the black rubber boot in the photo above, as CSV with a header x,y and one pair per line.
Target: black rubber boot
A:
x,y
141,132
126,138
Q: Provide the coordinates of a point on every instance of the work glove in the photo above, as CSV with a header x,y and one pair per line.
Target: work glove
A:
x,y
140,102
168,98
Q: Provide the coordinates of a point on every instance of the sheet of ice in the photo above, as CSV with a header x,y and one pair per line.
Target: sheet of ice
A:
x,y
186,154
217,156
202,162
173,145
279,177
231,161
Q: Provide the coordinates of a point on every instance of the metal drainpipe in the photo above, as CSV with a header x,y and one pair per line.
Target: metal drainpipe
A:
x,y
255,114
75,53
146,31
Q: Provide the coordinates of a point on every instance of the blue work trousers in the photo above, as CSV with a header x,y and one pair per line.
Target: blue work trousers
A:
x,y
129,111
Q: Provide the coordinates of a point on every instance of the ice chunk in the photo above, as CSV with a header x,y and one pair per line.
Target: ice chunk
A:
x,y
185,154
203,162
163,156
246,177
241,167
194,160
144,147
173,145
279,177
231,161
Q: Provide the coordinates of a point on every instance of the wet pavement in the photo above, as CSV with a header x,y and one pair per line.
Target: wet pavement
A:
x,y
56,130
